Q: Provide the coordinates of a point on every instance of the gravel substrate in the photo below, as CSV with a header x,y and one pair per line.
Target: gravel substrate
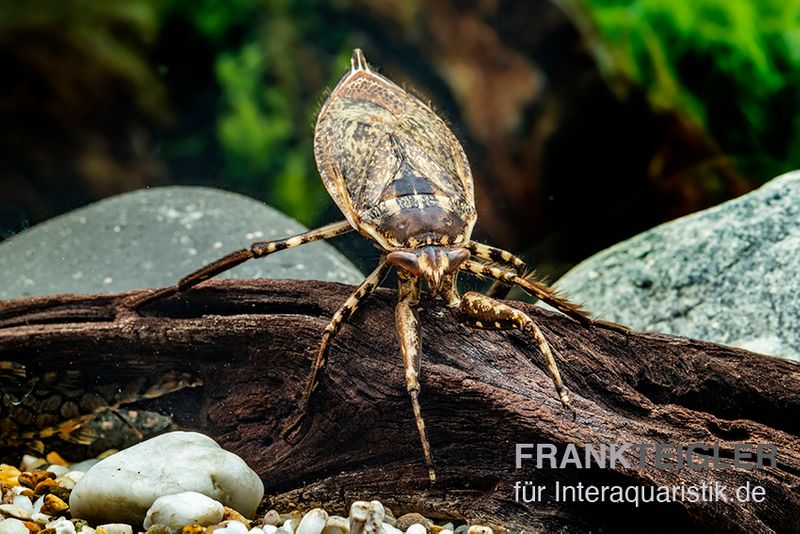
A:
x,y
36,495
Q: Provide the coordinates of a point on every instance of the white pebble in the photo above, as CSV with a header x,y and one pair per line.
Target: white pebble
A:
x,y
417,528
313,522
389,529
187,508
57,469
40,518
446,531
269,529
14,511
62,526
231,527
29,463
256,530
37,505
114,528
336,524
87,530
68,480
25,503
13,526
289,525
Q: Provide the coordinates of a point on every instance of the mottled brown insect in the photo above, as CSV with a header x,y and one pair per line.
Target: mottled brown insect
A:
x,y
402,180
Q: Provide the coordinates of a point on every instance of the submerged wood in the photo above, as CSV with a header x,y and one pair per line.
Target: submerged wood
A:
x,y
251,343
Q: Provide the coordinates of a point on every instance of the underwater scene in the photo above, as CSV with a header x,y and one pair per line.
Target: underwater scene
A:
x,y
399,267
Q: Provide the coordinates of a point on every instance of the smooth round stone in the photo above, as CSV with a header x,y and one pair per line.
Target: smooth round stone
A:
x,y
187,508
114,528
122,487
229,527
313,522
13,526
417,528
151,238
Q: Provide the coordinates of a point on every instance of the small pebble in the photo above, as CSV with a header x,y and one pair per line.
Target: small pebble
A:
x,y
389,529
87,530
114,528
13,526
289,525
53,505
24,503
228,527
44,486
39,518
57,469
31,480
69,479
479,529
256,530
29,463
272,518
192,529
269,529
417,528
8,475
366,517
32,527
462,529
336,524
229,514
61,526
159,529
14,511
187,508
313,522
406,520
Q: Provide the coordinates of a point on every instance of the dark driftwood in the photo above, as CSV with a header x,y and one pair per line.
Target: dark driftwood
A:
x,y
251,343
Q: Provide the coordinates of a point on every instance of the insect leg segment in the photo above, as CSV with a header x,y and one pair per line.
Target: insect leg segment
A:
x,y
532,287
484,312
499,289
256,250
408,334
345,312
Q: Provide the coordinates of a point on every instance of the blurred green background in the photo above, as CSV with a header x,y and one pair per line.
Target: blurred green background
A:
x,y
585,121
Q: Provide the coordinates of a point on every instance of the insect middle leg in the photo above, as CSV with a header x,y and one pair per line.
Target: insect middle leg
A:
x,y
342,314
499,289
256,250
484,312
408,334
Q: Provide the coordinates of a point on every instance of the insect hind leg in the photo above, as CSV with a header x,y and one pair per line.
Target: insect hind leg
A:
x,y
256,250
480,311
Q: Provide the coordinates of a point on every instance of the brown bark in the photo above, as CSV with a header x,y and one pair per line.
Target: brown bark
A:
x,y
482,392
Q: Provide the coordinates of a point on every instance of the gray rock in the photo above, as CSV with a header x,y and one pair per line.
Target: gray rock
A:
x,y
123,486
151,238
729,274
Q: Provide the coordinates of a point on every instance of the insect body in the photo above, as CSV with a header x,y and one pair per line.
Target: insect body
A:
x,y
402,180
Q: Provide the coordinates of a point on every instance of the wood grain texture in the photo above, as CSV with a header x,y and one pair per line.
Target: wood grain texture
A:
x,y
251,342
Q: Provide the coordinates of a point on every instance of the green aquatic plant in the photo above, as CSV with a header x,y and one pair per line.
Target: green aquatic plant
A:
x,y
732,66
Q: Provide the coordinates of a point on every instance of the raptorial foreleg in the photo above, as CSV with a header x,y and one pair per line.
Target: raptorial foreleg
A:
x,y
499,289
484,312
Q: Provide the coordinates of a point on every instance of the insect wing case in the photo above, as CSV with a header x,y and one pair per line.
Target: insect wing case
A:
x,y
392,165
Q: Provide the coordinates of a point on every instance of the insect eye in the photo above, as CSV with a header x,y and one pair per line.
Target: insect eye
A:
x,y
404,260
